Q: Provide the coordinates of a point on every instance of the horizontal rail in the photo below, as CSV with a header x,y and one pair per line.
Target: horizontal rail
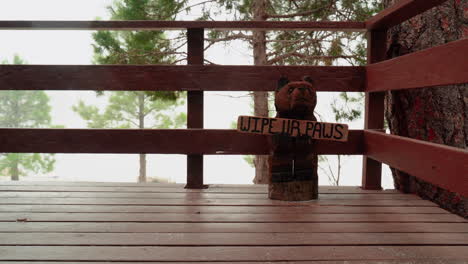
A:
x,y
177,25
442,65
161,141
164,78
441,165
444,166
399,12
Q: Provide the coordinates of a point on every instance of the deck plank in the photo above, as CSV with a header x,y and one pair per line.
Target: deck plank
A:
x,y
54,208
261,253
93,223
230,239
194,195
409,261
85,227
214,202
177,189
230,218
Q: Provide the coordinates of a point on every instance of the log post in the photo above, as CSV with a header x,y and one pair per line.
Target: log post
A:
x,y
293,170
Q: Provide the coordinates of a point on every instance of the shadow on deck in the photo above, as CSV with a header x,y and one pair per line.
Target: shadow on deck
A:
x,y
124,222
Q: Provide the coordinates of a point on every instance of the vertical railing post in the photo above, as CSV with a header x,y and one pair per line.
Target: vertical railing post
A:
x,y
195,56
374,110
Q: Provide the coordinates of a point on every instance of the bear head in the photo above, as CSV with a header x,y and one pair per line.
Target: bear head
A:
x,y
295,100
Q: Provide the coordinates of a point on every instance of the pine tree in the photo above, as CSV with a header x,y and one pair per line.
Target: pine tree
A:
x,y
24,109
437,114
319,48
128,109
132,109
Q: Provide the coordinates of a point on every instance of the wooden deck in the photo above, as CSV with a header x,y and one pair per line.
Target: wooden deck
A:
x,y
133,223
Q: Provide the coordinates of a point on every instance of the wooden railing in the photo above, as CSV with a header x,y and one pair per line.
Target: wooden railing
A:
x,y
431,67
441,165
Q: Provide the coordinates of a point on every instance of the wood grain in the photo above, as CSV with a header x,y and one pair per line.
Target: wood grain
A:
x,y
210,202
292,128
374,110
260,253
163,141
56,227
408,261
98,222
51,208
230,218
193,195
441,65
230,239
195,109
171,25
174,78
440,165
162,187
154,189
399,12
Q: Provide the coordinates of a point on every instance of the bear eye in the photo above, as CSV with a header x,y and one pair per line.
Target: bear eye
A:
x,y
290,90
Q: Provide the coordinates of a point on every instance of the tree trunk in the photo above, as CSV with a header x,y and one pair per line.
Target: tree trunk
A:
x,y
260,98
15,124
141,125
438,114
15,171
142,176
338,173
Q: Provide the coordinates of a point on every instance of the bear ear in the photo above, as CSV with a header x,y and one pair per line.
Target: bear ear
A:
x,y
281,83
308,79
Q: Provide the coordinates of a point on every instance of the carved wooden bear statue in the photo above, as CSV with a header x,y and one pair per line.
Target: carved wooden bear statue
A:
x,y
293,162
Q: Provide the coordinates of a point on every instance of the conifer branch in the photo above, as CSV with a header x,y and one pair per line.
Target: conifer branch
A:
x,y
303,13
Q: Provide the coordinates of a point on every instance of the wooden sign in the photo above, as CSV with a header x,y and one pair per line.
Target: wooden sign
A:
x,y
292,127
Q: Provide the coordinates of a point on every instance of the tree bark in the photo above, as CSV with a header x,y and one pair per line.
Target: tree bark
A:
x,y
141,125
260,98
438,114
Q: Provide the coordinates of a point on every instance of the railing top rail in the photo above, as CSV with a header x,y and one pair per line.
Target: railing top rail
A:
x,y
174,77
400,12
177,25
442,65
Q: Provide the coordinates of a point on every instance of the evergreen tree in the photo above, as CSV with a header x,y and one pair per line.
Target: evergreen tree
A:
x,y
324,48
128,109
269,48
133,109
436,114
24,109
